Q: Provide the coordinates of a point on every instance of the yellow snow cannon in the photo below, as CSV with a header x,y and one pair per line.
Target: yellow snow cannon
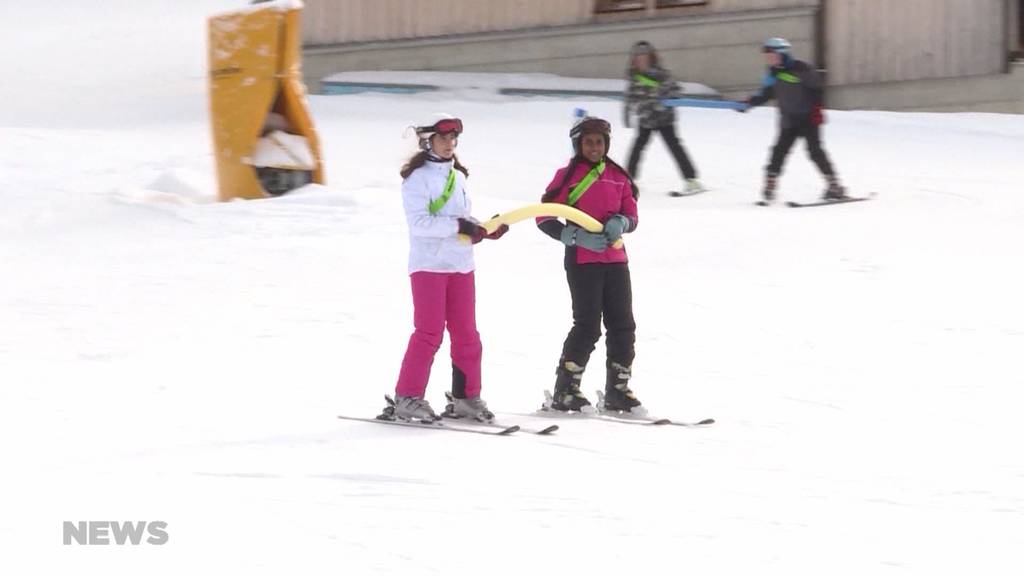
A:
x,y
264,141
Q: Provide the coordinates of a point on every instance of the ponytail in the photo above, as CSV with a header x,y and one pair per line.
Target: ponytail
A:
x,y
551,193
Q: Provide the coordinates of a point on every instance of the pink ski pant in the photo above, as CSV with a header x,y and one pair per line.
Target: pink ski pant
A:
x,y
440,300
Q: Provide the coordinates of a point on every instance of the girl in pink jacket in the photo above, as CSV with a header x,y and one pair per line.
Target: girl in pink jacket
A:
x,y
597,272
437,210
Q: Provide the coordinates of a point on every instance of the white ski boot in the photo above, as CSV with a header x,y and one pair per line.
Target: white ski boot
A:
x,y
472,408
414,408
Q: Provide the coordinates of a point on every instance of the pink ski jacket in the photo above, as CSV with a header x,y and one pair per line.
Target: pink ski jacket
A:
x,y
609,195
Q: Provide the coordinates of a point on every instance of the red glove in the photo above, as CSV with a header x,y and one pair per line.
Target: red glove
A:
x,y
498,233
817,115
475,231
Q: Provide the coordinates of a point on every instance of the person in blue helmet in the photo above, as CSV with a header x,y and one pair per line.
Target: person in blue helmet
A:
x,y
798,89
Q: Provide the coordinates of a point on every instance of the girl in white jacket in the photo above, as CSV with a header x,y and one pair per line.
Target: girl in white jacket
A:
x,y
437,209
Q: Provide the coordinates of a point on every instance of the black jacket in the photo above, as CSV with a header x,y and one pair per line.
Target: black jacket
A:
x,y
797,87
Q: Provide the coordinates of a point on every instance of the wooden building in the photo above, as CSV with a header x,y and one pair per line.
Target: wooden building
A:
x,y
897,54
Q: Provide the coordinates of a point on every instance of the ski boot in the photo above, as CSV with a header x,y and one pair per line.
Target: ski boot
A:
x,y
693,186
617,395
413,408
834,191
473,408
567,396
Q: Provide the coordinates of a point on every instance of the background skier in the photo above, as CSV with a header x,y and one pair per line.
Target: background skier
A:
x,y
798,89
649,84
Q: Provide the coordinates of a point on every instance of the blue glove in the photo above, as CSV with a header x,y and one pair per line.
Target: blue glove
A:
x,y
576,236
615,226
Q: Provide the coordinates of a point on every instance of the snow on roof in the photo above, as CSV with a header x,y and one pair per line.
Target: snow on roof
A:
x,y
280,5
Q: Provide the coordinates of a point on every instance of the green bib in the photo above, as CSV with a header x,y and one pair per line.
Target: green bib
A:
x,y
590,178
645,81
439,202
788,77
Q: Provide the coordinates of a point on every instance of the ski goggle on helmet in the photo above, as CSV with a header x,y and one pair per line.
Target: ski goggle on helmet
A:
x,y
442,126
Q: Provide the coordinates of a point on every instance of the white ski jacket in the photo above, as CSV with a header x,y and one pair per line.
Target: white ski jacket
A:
x,y
434,244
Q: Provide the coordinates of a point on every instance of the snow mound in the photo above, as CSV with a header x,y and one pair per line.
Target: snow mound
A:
x,y
174,186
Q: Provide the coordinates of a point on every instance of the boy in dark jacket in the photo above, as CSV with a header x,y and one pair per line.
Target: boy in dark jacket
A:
x,y
797,88
649,84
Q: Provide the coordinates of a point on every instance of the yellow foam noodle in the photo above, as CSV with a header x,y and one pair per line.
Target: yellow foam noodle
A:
x,y
552,209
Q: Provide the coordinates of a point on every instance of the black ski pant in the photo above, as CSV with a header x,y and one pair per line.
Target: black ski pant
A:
x,y
788,134
600,290
668,133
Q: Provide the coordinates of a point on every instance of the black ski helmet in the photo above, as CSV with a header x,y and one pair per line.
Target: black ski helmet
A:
x,y
641,47
590,125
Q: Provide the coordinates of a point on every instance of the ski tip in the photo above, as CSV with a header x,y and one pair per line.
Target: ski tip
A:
x,y
684,194
509,430
698,423
548,430
845,200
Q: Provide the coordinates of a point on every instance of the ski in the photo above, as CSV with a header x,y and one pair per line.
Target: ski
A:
x,y
643,418
626,418
448,414
619,418
547,430
597,413
792,204
437,425
681,194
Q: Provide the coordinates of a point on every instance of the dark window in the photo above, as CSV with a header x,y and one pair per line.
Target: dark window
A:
x,y
627,5
1020,26
619,5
